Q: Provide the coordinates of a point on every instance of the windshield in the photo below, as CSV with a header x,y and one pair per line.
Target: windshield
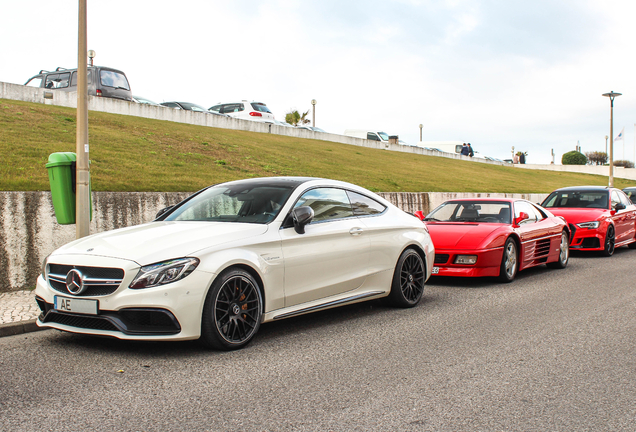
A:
x,y
577,199
243,202
472,211
113,79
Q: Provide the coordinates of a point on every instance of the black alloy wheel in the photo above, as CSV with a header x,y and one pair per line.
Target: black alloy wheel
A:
x,y
232,312
610,242
564,253
408,280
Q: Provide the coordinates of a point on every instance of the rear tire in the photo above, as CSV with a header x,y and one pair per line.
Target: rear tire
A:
x,y
564,253
232,311
509,262
408,280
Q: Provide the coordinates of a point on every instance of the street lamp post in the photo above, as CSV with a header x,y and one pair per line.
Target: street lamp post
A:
x,y
611,95
606,137
313,103
82,187
421,126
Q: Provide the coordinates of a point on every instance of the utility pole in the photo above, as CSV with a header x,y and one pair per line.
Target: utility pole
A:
x,y
82,188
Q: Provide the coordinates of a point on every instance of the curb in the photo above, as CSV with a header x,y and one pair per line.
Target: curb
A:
x,y
12,329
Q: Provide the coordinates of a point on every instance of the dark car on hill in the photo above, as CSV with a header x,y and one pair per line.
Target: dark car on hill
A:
x,y
102,81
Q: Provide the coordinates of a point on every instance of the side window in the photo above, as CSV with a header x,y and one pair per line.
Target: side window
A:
x,y
171,105
540,214
363,205
230,108
216,108
327,203
624,199
74,78
56,81
373,137
35,82
615,199
524,207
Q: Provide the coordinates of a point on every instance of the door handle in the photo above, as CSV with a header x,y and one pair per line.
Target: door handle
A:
x,y
356,231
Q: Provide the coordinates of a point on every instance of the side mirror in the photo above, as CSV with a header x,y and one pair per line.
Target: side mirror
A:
x,y
163,211
522,216
301,217
620,206
418,214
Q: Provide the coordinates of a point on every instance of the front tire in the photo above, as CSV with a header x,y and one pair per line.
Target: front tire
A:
x,y
564,253
509,262
232,311
610,242
408,280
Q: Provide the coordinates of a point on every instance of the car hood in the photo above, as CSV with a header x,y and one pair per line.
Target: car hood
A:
x,y
158,241
461,235
578,215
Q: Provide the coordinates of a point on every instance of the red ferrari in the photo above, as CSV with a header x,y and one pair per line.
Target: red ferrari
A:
x,y
600,218
495,237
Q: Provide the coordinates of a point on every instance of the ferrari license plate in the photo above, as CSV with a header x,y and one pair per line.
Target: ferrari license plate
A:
x,y
435,270
73,305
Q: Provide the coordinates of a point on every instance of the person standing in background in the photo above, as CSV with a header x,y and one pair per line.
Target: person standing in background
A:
x,y
471,153
464,150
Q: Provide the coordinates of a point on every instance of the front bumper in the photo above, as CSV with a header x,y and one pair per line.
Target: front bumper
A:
x,y
586,239
488,263
168,312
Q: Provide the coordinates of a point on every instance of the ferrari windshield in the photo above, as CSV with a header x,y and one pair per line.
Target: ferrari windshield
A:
x,y
245,202
471,211
578,199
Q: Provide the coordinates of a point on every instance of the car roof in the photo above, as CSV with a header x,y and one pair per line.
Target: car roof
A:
x,y
490,199
584,188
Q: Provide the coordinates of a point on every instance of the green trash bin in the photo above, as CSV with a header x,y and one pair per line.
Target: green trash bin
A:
x,y
61,168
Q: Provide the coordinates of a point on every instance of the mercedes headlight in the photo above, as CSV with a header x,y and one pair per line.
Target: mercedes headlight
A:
x,y
164,272
590,225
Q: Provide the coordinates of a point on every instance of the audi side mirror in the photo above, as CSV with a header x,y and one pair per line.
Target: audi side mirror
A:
x,y
301,216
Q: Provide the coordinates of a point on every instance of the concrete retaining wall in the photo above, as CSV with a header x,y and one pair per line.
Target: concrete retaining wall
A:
x,y
619,172
29,230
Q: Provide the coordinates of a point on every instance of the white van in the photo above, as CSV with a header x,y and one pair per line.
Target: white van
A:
x,y
370,135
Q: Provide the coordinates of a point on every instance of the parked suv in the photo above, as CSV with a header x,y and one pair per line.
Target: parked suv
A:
x,y
102,81
245,110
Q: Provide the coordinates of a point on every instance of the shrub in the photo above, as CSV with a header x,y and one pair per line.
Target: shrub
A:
x,y
573,158
624,163
596,158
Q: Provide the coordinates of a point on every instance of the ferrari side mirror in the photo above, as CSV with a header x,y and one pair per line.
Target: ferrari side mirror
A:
x,y
522,216
418,214
301,217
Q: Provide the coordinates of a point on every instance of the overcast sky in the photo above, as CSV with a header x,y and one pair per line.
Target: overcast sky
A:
x,y
496,73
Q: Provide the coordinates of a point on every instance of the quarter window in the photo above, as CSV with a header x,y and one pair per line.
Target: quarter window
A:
x,y
363,205
327,203
113,79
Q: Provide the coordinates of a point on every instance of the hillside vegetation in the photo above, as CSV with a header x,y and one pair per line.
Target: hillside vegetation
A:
x,y
136,154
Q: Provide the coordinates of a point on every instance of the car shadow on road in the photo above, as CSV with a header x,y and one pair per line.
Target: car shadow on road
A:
x,y
269,333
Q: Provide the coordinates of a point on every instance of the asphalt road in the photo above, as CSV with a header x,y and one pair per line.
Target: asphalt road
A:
x,y
553,351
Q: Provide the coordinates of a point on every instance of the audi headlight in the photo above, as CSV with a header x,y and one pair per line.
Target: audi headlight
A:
x,y
590,225
466,259
164,272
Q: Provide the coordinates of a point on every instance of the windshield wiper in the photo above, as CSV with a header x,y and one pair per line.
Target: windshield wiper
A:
x,y
431,219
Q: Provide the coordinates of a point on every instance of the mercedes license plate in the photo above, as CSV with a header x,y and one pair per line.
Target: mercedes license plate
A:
x,y
73,305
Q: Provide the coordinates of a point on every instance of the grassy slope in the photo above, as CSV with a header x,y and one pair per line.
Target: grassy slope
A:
x,y
136,154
